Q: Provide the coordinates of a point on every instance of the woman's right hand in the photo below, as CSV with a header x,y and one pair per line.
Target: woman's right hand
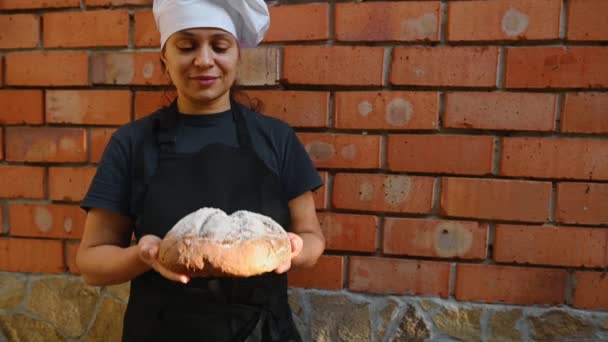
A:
x,y
148,247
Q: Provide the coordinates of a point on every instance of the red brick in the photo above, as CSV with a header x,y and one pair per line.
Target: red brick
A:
x,y
145,32
148,102
444,66
133,68
587,20
321,194
514,285
342,150
258,67
591,290
297,108
503,20
69,183
581,203
72,250
25,181
86,29
454,154
557,67
377,192
585,113
88,107
435,238
27,4
495,199
349,232
46,144
31,255
116,3
388,21
66,68
328,274
387,110
99,139
385,275
333,65
555,246
309,22
555,158
1,144
500,111
2,220
19,107
19,31
44,220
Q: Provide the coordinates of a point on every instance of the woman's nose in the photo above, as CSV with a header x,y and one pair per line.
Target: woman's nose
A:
x,y
204,58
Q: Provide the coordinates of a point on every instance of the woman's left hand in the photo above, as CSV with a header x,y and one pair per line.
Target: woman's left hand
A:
x,y
296,248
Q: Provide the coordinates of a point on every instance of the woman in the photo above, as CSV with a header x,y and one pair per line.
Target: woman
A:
x,y
204,150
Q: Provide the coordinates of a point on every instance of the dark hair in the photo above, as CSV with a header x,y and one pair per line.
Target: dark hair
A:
x,y
237,94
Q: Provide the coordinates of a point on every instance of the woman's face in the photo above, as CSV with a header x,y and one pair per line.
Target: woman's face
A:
x,y
202,64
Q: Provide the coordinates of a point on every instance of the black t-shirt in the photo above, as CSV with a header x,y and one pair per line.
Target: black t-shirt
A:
x,y
273,140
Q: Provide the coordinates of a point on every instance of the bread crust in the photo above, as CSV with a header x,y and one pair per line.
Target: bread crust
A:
x,y
253,244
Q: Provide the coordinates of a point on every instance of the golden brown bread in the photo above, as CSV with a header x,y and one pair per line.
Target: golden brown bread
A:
x,y
208,242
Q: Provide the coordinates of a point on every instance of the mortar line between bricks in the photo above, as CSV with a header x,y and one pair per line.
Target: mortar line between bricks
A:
x,y
496,155
46,185
437,189
501,68
40,32
331,110
569,288
563,25
131,37
132,107
383,152
380,234
441,109
559,108
4,223
443,13
452,282
386,68
490,243
280,61
552,200
332,24
89,132
345,278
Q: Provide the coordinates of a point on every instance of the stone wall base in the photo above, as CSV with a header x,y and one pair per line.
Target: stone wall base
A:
x,y
63,308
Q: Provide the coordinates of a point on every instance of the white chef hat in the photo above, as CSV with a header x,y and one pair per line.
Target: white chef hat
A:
x,y
246,20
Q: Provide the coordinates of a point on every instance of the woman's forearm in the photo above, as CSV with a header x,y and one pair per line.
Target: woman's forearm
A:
x,y
312,247
109,265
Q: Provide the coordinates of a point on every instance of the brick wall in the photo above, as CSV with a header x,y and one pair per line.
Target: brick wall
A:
x,y
463,143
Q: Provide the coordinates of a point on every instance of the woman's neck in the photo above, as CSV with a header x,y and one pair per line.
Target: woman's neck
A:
x,y
188,106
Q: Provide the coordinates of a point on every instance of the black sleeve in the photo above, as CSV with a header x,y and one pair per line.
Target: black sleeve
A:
x,y
111,186
298,173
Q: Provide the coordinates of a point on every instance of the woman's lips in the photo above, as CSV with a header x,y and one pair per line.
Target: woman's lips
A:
x,y
205,80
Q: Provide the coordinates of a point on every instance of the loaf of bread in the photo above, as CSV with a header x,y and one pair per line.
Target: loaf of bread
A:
x,y
208,242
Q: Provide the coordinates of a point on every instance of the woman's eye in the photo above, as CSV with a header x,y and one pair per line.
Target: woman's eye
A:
x,y
220,49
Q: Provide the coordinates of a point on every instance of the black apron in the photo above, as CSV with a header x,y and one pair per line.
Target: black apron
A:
x,y
207,309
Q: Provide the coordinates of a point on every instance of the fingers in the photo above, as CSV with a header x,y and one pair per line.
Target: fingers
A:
x,y
296,244
148,252
283,267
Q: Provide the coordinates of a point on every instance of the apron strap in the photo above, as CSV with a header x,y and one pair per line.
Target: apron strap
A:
x,y
241,126
167,129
